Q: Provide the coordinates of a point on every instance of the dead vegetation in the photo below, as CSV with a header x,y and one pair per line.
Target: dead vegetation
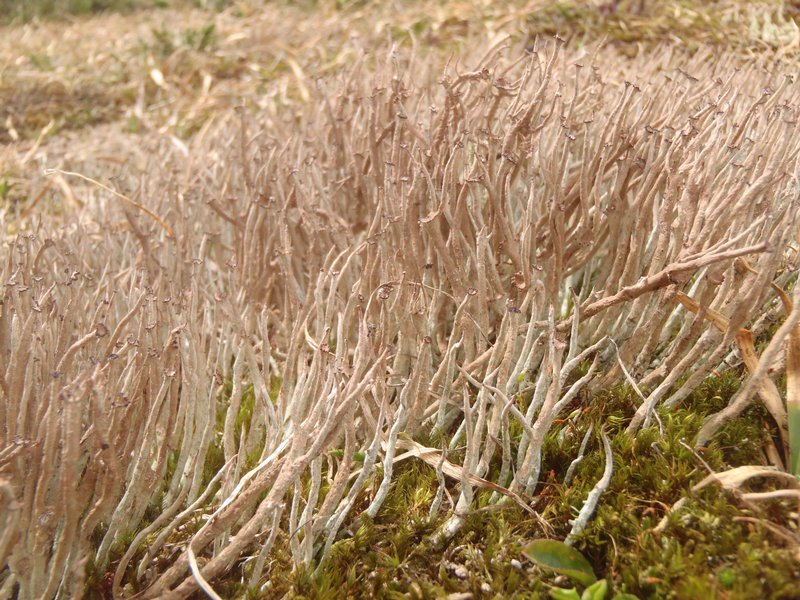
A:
x,y
232,348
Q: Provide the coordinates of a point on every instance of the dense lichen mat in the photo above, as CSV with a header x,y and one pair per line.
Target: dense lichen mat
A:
x,y
369,321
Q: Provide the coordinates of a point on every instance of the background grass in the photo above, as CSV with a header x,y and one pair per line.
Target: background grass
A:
x,y
18,11
24,10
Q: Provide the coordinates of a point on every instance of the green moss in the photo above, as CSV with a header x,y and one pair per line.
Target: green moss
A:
x,y
707,550
96,578
215,456
711,547
246,406
215,459
652,472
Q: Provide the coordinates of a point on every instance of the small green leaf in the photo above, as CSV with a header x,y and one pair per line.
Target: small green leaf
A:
x,y
625,597
794,428
727,577
596,591
562,559
562,594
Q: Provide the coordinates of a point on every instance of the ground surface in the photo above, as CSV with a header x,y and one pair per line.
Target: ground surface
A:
x,y
100,93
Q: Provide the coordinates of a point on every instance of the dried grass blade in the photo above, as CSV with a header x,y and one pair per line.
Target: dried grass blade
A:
x,y
733,479
792,380
435,459
767,390
719,320
119,195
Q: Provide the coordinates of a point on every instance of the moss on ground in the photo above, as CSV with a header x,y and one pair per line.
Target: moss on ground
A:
x,y
713,547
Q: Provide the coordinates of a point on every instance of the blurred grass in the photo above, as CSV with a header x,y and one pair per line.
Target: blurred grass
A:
x,y
632,25
746,26
169,65
20,11
25,10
